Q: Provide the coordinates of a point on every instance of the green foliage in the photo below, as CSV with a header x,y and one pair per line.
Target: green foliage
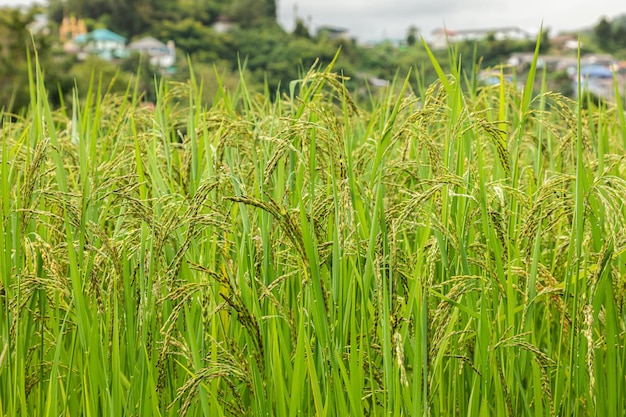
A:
x,y
610,35
111,77
274,57
492,52
194,39
301,30
132,18
252,13
603,32
128,18
16,44
411,37
560,81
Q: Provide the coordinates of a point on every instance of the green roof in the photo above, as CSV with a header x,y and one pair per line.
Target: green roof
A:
x,y
100,35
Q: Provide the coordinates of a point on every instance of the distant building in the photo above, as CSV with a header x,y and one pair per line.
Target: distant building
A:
x,y
565,43
103,43
523,60
605,60
71,27
161,55
223,24
442,36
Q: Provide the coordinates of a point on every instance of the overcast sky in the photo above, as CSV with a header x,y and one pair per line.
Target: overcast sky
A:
x,y
376,19
380,19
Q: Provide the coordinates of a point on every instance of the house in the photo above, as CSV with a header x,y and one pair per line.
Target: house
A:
x,y
223,24
103,43
605,60
161,55
565,43
70,28
442,36
523,60
333,32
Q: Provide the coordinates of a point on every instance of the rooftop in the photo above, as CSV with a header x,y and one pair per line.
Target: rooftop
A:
x,y
100,35
147,43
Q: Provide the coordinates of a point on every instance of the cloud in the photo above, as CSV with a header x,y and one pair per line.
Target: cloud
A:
x,y
389,8
380,18
375,19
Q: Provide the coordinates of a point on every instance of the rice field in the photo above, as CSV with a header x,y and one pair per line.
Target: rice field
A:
x,y
438,251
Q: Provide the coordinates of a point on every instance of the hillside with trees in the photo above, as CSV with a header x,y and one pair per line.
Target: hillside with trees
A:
x,y
610,35
249,40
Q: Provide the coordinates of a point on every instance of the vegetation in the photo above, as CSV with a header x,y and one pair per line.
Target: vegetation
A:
x,y
144,16
272,57
15,41
434,251
610,35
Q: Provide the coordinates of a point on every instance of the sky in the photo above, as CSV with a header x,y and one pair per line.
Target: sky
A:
x,y
390,19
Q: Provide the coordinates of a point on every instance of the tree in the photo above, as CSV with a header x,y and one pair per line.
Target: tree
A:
x,y
545,40
195,39
301,30
249,13
16,43
603,33
411,37
620,37
270,9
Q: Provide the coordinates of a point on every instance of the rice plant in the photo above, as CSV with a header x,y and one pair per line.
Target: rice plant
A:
x,y
436,254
